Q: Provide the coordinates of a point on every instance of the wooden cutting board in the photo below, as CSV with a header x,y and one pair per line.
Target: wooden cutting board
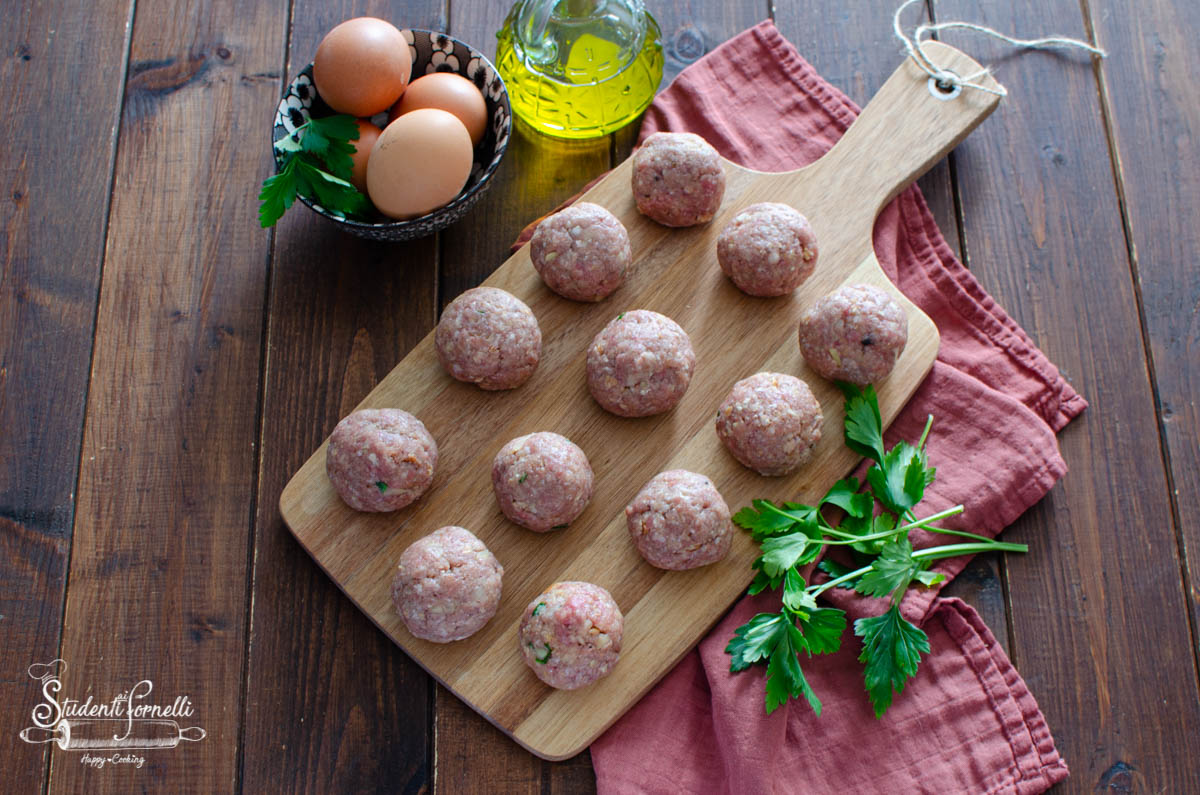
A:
x,y
907,127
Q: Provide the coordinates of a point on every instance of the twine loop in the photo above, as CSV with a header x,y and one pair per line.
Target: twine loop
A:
x,y
948,81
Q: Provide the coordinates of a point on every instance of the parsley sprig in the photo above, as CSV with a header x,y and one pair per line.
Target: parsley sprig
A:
x,y
875,525
315,162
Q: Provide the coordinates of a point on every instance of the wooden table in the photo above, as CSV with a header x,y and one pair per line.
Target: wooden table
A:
x,y
165,366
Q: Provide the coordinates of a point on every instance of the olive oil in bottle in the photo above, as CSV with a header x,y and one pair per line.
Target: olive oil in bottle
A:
x,y
579,68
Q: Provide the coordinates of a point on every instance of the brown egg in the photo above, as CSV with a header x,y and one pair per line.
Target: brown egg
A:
x,y
362,66
367,135
420,162
449,92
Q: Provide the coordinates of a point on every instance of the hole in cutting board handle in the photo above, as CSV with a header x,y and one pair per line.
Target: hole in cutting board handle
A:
x,y
944,89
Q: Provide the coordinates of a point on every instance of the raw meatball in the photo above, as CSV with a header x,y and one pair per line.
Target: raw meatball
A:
x,y
854,334
770,422
571,635
679,521
640,364
543,481
380,459
767,249
488,337
582,253
447,585
678,179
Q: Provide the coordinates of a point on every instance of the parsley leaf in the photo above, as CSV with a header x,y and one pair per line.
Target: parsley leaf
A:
x,y
822,630
781,553
900,478
929,578
785,679
383,487
759,523
864,425
332,193
767,519
805,515
883,523
892,570
892,649
762,582
328,139
278,193
754,640
773,637
795,596
845,495
315,161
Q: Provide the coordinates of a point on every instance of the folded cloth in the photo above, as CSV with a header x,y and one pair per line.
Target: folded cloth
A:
x,y
967,722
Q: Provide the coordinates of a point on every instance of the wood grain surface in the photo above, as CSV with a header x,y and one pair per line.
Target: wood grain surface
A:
x,y
1155,117
158,586
47,313
900,133
342,676
1023,224
1073,205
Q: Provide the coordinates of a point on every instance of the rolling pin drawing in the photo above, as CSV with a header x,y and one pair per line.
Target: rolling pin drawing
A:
x,y
99,734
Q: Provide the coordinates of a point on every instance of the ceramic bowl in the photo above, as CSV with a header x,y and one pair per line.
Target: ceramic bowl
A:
x,y
431,52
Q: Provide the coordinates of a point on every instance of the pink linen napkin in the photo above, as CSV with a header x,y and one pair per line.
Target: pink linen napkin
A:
x,y
967,722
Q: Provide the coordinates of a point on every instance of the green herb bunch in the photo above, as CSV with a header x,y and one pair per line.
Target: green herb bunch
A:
x,y
316,162
877,519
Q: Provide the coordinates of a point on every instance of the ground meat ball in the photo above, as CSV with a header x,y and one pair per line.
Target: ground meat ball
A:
x,y
571,635
380,459
770,422
447,585
542,481
678,179
767,249
679,521
640,364
490,338
854,334
582,253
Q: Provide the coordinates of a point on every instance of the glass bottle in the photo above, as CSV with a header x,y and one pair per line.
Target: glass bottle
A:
x,y
579,68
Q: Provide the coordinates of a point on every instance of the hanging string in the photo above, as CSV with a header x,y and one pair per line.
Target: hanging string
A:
x,y
944,77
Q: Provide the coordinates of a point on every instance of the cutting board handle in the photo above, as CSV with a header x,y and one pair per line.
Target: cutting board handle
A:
x,y
909,125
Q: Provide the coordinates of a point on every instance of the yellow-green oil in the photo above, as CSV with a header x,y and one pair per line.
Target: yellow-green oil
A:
x,y
579,68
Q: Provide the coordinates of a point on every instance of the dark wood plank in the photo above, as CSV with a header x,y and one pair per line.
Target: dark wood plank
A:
x,y
331,703
53,213
1156,129
1100,589
160,560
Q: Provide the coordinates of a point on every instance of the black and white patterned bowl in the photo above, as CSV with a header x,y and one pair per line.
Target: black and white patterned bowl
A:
x,y
431,52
